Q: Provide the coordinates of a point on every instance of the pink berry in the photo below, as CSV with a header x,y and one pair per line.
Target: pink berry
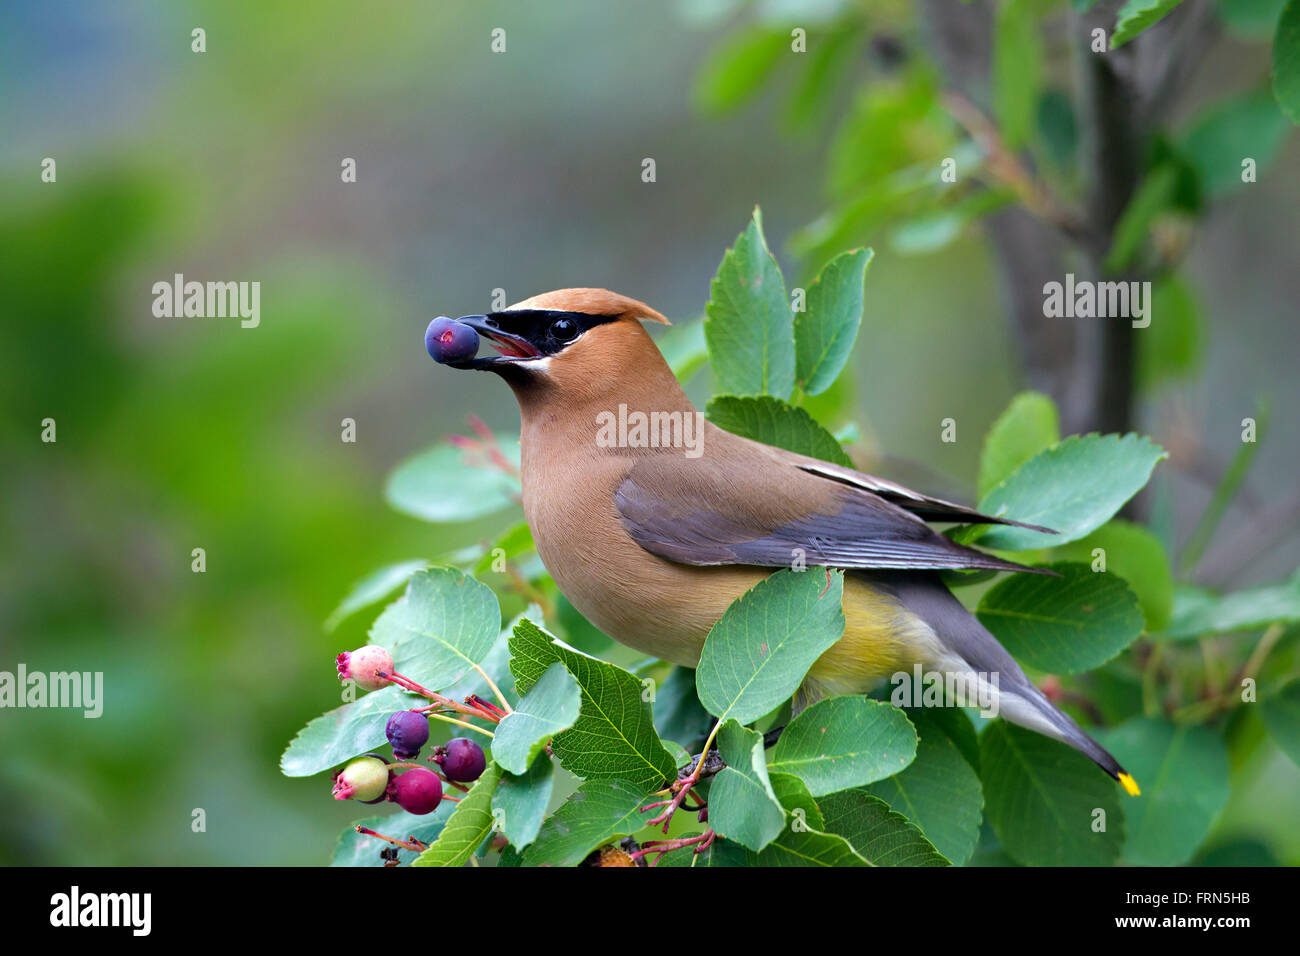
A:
x,y
364,665
418,791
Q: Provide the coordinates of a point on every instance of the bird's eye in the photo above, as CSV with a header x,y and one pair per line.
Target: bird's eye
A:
x,y
564,330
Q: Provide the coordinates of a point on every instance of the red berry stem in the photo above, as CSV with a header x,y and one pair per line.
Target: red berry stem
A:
x,y
412,843
701,842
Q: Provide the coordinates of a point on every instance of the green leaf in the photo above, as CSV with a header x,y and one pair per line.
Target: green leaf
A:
x,y
614,735
1248,125
775,422
719,853
597,813
757,654
1250,18
749,326
877,834
1063,625
1197,612
467,827
1074,487
1286,60
355,849
1136,15
1225,491
1136,555
734,72
843,742
1183,771
933,231
520,801
343,733
825,332
1281,714
550,706
450,619
684,348
938,791
679,716
358,727
1152,197
1017,68
374,587
1029,425
446,484
742,804
1040,797
512,543
1170,348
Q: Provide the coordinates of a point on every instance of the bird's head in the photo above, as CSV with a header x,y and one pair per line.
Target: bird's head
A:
x,y
570,341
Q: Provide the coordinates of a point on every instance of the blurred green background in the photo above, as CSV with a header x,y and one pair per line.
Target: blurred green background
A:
x,y
476,171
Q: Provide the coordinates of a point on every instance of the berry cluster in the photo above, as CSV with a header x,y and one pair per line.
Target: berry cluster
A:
x,y
416,789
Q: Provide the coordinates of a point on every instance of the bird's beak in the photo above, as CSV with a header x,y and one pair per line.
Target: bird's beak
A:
x,y
512,348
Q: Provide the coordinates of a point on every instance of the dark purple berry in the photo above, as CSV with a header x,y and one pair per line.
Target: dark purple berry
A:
x,y
407,731
418,791
450,341
462,760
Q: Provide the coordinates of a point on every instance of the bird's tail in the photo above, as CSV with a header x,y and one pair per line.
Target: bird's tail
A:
x,y
970,648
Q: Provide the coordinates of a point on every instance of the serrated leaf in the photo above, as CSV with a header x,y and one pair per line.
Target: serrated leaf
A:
x,y
877,834
597,813
451,619
1198,612
520,801
1029,425
1136,15
939,792
1134,554
614,735
757,654
825,331
467,827
774,422
1074,487
1280,712
445,484
1183,771
742,804
1063,625
374,587
1040,797
550,706
843,742
1017,68
355,849
749,326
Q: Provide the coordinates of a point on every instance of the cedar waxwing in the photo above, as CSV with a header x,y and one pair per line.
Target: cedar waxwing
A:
x,y
652,544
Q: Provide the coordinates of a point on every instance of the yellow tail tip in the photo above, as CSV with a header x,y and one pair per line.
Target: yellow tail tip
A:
x,y
1130,785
